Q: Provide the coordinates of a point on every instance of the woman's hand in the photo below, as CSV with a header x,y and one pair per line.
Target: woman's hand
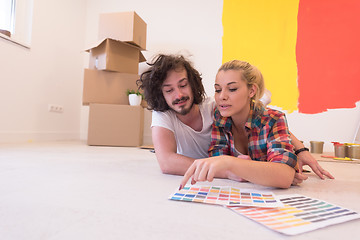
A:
x,y
205,169
298,178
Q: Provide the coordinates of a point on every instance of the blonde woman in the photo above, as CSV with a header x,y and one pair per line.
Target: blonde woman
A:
x,y
249,142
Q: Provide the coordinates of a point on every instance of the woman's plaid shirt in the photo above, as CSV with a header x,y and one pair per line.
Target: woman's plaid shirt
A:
x,y
268,134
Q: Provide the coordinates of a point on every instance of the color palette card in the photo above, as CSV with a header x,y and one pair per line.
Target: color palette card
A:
x,y
300,214
226,195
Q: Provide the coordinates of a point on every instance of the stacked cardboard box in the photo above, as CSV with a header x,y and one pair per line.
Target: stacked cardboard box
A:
x,y
113,69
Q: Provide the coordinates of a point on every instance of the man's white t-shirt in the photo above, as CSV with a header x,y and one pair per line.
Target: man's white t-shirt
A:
x,y
190,143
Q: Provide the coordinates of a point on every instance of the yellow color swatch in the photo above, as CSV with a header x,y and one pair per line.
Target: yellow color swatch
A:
x,y
263,33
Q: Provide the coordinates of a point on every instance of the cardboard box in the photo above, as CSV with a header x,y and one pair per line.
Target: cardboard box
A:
x,y
113,55
115,125
123,26
107,87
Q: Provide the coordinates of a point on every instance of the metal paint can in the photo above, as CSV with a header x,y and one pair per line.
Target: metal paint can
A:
x,y
353,151
340,150
316,146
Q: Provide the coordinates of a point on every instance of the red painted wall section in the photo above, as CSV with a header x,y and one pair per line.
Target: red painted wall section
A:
x,y
328,55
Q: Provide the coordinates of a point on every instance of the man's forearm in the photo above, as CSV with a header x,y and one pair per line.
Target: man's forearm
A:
x,y
296,142
174,163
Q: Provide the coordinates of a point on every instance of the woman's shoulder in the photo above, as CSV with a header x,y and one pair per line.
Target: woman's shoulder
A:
x,y
273,113
270,115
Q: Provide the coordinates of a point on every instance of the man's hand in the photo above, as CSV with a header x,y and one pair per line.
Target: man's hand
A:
x,y
305,158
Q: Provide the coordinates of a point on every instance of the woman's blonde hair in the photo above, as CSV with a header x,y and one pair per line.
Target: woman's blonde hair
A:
x,y
250,74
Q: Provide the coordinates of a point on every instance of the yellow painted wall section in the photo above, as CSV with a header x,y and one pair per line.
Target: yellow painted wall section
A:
x,y
264,33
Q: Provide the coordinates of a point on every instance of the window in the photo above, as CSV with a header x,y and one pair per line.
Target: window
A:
x,y
16,21
7,15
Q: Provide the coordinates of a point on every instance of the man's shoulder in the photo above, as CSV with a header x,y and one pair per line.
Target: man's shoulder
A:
x,y
208,101
163,114
208,104
207,107
163,119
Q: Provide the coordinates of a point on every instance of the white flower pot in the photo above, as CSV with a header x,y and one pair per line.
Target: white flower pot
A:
x,y
134,100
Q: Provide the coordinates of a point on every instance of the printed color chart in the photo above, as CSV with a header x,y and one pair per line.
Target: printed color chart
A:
x,y
226,195
300,214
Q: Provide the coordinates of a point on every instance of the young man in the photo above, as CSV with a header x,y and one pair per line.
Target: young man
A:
x,y
182,117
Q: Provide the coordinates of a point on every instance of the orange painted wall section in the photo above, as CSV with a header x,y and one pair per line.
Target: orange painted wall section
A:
x,y
328,55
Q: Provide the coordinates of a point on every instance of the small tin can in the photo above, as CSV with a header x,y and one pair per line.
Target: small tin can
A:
x,y
340,150
316,146
354,151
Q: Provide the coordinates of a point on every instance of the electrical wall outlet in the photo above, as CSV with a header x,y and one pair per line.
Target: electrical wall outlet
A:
x,y
55,108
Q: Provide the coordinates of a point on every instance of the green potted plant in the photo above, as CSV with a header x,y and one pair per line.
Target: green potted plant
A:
x,y
135,97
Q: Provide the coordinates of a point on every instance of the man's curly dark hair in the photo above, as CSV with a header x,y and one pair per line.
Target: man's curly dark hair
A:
x,y
151,81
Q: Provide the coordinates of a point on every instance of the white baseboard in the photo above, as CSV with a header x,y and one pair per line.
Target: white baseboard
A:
x,y
13,137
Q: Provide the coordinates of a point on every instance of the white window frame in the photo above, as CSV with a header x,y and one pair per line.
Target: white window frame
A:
x,y
20,22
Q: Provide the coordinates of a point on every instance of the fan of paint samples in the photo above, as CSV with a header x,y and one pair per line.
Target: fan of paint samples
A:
x,y
300,214
226,195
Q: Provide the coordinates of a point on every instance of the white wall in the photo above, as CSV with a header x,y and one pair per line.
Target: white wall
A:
x,y
334,125
52,70
49,72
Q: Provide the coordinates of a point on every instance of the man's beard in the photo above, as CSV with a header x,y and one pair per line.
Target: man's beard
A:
x,y
184,110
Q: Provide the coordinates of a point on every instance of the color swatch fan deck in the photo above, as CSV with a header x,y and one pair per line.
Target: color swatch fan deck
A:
x,y
227,196
300,214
